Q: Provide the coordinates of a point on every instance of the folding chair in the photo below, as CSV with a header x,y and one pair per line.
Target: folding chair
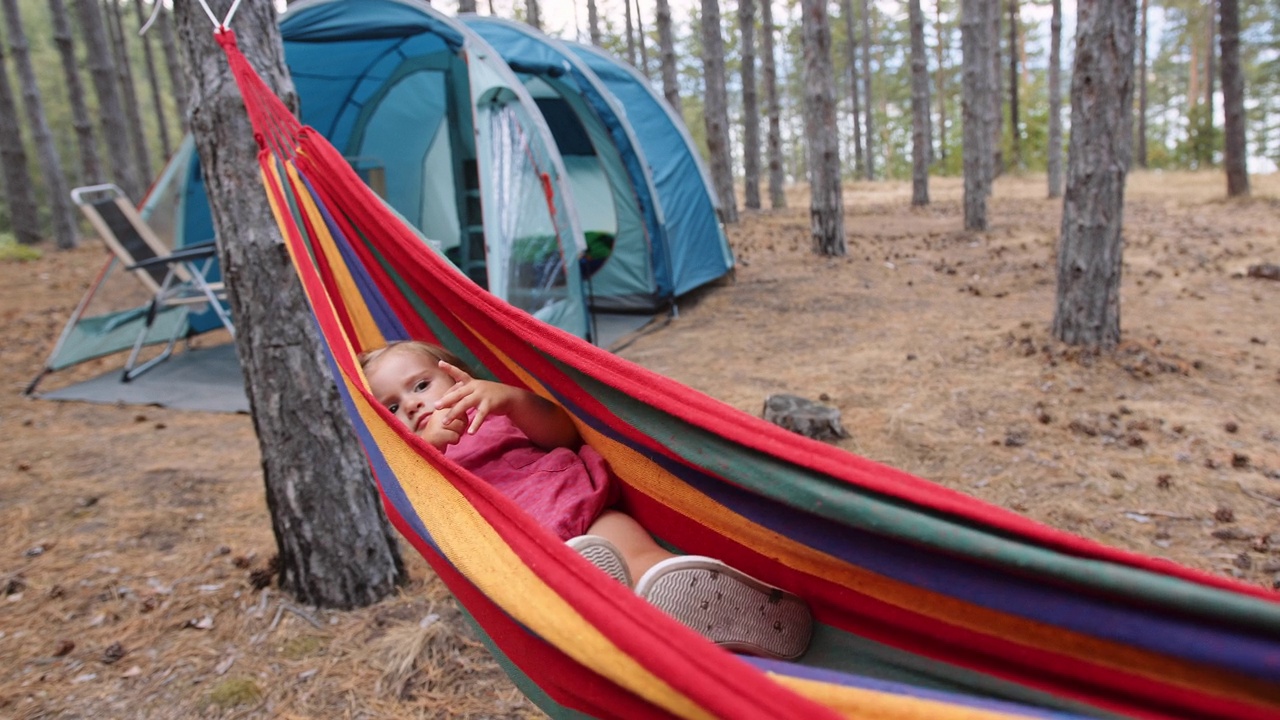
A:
x,y
177,278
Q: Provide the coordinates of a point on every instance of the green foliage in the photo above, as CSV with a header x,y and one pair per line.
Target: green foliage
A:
x,y
13,251
1203,140
233,692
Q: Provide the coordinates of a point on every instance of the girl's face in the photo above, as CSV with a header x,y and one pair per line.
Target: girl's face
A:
x,y
408,383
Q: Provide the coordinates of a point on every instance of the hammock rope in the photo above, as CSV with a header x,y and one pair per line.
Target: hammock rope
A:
x,y
930,604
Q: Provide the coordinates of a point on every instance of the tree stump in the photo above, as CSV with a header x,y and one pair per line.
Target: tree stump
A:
x,y
803,416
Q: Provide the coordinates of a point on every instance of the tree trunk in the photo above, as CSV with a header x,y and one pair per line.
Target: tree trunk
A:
x,y
336,548
466,6
717,110
110,109
1142,85
177,81
129,96
855,84
593,22
644,51
90,163
631,38
1235,150
826,212
535,14
1055,101
1014,131
1091,246
976,104
666,55
750,106
62,216
996,166
777,196
919,108
153,79
943,48
867,77
24,214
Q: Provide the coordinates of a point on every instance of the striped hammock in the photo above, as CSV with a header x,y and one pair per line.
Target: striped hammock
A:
x,y
927,603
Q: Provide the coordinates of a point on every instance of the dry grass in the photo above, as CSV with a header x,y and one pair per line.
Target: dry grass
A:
x,y
131,538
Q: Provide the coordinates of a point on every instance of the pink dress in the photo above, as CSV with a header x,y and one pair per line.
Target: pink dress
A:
x,y
564,489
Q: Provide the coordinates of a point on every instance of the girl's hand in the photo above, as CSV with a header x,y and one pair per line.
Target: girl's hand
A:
x,y
488,398
544,422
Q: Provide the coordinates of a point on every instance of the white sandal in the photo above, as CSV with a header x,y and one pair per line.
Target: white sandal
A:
x,y
604,555
729,607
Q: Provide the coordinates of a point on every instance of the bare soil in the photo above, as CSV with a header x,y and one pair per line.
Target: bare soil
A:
x,y
135,541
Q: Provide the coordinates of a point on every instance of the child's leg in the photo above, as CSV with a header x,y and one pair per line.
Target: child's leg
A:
x,y
633,541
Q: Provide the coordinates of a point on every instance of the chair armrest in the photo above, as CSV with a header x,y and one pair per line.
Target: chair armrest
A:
x,y
191,252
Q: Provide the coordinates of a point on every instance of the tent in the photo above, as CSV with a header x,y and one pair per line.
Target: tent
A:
x,y
431,118
690,210
643,188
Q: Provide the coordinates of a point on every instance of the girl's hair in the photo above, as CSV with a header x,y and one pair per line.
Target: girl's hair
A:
x,y
415,346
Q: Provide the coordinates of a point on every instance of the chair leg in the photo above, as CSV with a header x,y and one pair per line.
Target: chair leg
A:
x,y
131,370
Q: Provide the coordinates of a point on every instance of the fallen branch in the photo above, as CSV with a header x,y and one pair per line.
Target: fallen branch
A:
x,y
1257,495
1161,513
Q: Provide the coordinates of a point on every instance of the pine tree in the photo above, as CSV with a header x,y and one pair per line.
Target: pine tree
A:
x,y
920,142
62,215
666,53
90,162
336,548
777,197
750,106
977,39
1235,155
1055,101
716,111
24,215
110,107
826,211
1089,250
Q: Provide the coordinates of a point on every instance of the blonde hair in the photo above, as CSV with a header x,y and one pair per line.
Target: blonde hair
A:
x,y
434,352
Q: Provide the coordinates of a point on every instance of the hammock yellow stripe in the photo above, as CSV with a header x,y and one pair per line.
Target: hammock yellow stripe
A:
x,y
864,703
353,301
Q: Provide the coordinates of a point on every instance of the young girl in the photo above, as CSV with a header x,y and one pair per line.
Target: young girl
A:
x,y
529,449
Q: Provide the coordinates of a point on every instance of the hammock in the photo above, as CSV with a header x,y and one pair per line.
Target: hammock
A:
x,y
928,603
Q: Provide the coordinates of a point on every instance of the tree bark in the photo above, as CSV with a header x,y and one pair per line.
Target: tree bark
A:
x,y
1055,100
919,108
110,108
826,213
177,80
593,21
535,14
336,548
773,143
750,106
644,51
855,85
90,163
717,110
1142,85
631,38
153,79
129,96
976,107
466,6
1235,148
62,215
1015,132
867,77
24,214
1091,246
943,48
666,54
996,166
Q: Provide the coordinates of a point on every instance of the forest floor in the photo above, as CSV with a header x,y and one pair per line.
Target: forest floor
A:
x,y
134,540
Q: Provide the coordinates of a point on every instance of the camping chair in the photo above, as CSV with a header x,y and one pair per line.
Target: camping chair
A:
x,y
175,278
